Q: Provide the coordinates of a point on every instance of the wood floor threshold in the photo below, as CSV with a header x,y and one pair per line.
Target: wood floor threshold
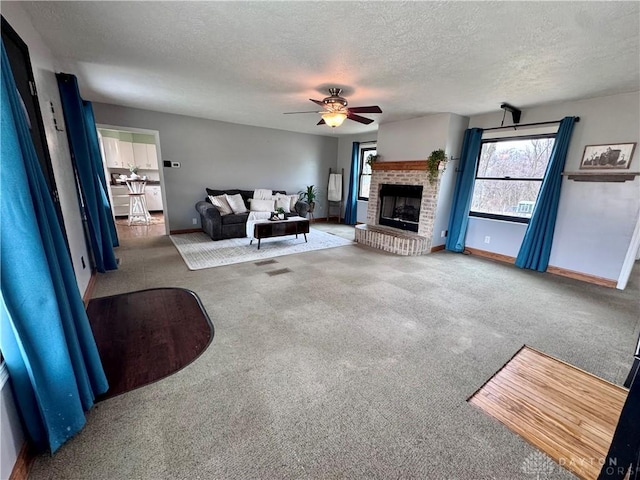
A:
x,y
24,462
188,230
563,272
567,413
88,293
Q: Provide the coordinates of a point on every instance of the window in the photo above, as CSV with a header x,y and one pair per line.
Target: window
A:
x,y
364,178
509,176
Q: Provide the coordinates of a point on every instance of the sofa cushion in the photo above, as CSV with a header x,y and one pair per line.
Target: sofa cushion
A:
x,y
220,202
215,193
236,203
294,199
284,202
262,205
235,218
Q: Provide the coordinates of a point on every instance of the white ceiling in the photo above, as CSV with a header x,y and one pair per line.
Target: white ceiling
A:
x,y
248,62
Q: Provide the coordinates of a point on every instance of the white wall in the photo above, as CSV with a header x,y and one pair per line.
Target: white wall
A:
x,y
11,433
455,136
595,220
345,146
226,155
413,139
42,62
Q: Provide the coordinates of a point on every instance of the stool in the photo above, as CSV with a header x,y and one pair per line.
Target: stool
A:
x,y
137,202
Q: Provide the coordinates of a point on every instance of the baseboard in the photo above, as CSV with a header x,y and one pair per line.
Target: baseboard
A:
x,y
331,219
585,277
88,293
494,256
188,230
437,248
563,272
23,463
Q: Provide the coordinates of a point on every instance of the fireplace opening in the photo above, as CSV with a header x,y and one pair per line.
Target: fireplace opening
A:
x,y
400,206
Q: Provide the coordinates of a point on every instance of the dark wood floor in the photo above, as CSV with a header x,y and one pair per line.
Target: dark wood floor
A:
x,y
156,228
145,336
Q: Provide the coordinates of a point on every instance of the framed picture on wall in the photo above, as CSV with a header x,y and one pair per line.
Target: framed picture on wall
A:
x,y
614,155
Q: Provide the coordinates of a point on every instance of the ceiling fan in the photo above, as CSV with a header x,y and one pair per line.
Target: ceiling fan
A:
x,y
336,111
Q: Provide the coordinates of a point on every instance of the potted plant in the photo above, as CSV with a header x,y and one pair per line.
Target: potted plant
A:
x,y
433,165
280,213
134,170
309,196
371,159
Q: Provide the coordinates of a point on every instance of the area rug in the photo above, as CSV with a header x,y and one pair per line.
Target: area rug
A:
x,y
565,412
199,251
147,335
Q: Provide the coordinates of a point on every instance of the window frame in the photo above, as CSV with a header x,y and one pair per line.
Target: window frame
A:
x,y
364,148
496,216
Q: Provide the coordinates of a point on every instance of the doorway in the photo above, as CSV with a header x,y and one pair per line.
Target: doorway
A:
x,y
134,154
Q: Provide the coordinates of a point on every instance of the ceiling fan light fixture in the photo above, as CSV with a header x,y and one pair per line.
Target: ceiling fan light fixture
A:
x,y
334,119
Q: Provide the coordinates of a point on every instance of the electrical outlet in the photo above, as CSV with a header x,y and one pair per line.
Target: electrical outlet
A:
x,y
487,239
194,221
443,234
175,164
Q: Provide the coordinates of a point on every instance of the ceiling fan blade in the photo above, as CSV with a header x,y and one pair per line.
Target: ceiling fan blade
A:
x,y
359,119
308,111
321,122
318,102
371,109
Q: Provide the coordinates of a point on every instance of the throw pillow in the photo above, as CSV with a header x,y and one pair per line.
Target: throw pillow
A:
x,y
220,202
284,202
294,199
236,203
258,205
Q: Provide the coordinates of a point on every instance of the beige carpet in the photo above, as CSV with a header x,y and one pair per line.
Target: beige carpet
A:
x,y
199,251
349,364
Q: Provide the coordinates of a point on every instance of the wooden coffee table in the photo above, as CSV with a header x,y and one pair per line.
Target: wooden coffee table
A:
x,y
280,228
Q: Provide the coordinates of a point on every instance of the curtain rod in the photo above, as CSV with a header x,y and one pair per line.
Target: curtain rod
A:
x,y
515,127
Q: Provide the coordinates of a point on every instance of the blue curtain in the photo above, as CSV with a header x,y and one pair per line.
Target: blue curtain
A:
x,y
463,192
83,142
45,335
351,210
98,167
538,239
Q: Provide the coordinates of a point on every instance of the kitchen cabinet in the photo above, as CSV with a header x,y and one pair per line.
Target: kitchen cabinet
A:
x,y
152,157
140,155
120,199
126,154
153,196
145,156
111,148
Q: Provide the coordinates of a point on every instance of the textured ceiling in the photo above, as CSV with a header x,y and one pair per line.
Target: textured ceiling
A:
x,y
248,62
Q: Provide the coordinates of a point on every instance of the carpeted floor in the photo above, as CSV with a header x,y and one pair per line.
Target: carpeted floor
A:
x,y
354,364
199,251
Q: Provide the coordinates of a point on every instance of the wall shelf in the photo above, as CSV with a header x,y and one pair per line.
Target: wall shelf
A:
x,y
601,176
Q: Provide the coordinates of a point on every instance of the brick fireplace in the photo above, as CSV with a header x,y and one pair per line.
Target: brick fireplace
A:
x,y
401,241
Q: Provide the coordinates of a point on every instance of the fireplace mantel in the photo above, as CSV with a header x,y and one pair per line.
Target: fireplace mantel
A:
x,y
406,166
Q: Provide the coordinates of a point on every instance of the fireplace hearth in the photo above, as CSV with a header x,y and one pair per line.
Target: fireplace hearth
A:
x,y
400,206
